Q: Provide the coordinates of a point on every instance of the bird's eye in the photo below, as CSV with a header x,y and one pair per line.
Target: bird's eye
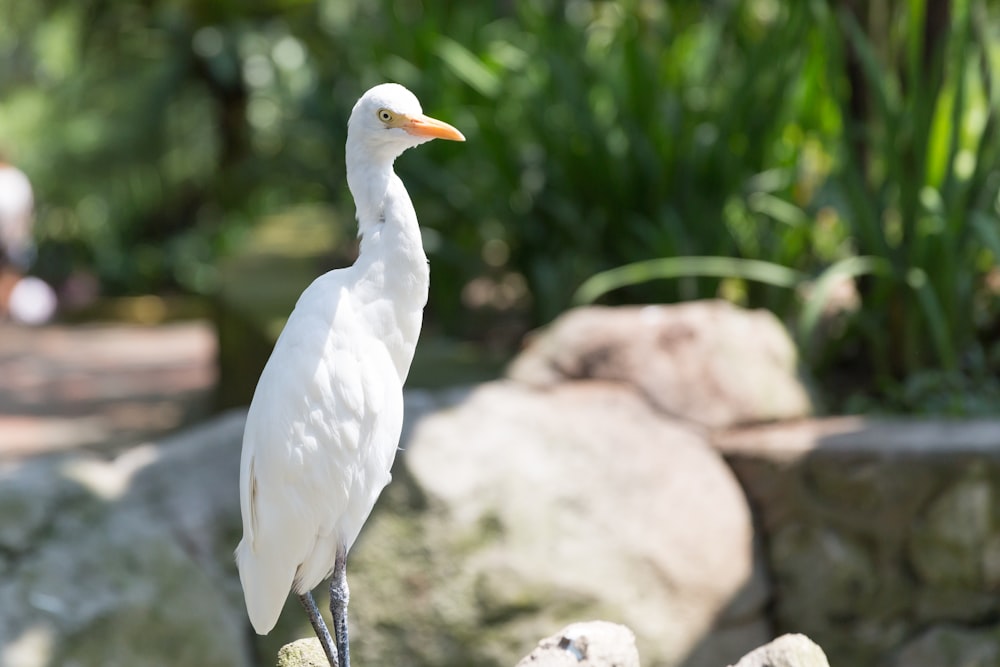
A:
x,y
385,115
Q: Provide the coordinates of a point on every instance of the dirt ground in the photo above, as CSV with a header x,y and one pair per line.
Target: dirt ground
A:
x,y
102,387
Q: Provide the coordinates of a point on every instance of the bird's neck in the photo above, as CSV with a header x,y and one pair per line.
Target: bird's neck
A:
x,y
390,233
387,222
392,264
368,180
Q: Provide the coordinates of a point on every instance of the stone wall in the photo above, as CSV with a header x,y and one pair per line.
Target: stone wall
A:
x,y
882,536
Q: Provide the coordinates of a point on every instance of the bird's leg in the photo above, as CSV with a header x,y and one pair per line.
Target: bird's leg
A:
x,y
339,596
320,628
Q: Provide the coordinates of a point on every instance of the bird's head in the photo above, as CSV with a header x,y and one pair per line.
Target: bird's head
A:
x,y
388,119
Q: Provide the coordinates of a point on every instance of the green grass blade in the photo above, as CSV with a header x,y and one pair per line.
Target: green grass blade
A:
x,y
465,65
987,228
683,267
778,209
882,83
850,267
934,316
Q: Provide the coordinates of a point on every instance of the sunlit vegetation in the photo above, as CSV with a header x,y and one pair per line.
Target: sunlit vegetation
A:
x,y
833,161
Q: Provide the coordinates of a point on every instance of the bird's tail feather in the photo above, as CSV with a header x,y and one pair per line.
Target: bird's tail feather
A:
x,y
266,577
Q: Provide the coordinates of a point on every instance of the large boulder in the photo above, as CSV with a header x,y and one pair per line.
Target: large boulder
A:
x,y
516,510
124,563
707,362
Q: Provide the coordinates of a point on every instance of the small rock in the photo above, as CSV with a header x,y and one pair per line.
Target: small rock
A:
x,y
786,651
947,546
302,653
591,644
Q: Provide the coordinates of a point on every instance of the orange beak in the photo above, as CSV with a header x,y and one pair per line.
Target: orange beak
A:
x,y
425,126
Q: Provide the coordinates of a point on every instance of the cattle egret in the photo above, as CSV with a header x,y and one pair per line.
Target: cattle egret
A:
x,y
325,419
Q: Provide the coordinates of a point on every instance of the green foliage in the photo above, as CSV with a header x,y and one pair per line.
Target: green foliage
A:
x,y
914,191
768,151
920,189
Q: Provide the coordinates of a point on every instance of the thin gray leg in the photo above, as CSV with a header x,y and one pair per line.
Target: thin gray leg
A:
x,y
339,597
320,628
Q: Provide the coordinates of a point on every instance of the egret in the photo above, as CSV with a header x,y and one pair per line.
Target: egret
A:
x,y
325,419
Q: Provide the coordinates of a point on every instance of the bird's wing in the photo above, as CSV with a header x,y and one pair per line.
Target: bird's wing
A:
x,y
319,409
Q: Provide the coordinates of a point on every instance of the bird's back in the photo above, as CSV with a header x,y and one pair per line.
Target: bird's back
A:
x,y
321,434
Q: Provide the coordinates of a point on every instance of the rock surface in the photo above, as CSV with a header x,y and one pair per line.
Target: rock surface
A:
x,y
516,510
123,563
786,651
707,362
879,531
519,509
302,653
952,646
604,644
512,510
591,644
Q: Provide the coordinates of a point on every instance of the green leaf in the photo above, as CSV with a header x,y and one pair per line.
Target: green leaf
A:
x,y
683,267
918,281
467,66
881,82
987,228
778,209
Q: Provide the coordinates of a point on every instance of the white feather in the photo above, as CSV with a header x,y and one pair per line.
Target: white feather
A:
x,y
324,423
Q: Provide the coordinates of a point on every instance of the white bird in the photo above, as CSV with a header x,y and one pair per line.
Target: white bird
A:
x,y
325,419
17,204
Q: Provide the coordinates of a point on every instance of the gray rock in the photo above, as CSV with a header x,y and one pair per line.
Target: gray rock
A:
x,y
519,509
849,578
120,563
591,644
952,646
708,362
877,529
730,640
948,544
787,651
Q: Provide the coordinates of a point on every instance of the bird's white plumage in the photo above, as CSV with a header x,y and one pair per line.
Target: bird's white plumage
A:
x,y
324,423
